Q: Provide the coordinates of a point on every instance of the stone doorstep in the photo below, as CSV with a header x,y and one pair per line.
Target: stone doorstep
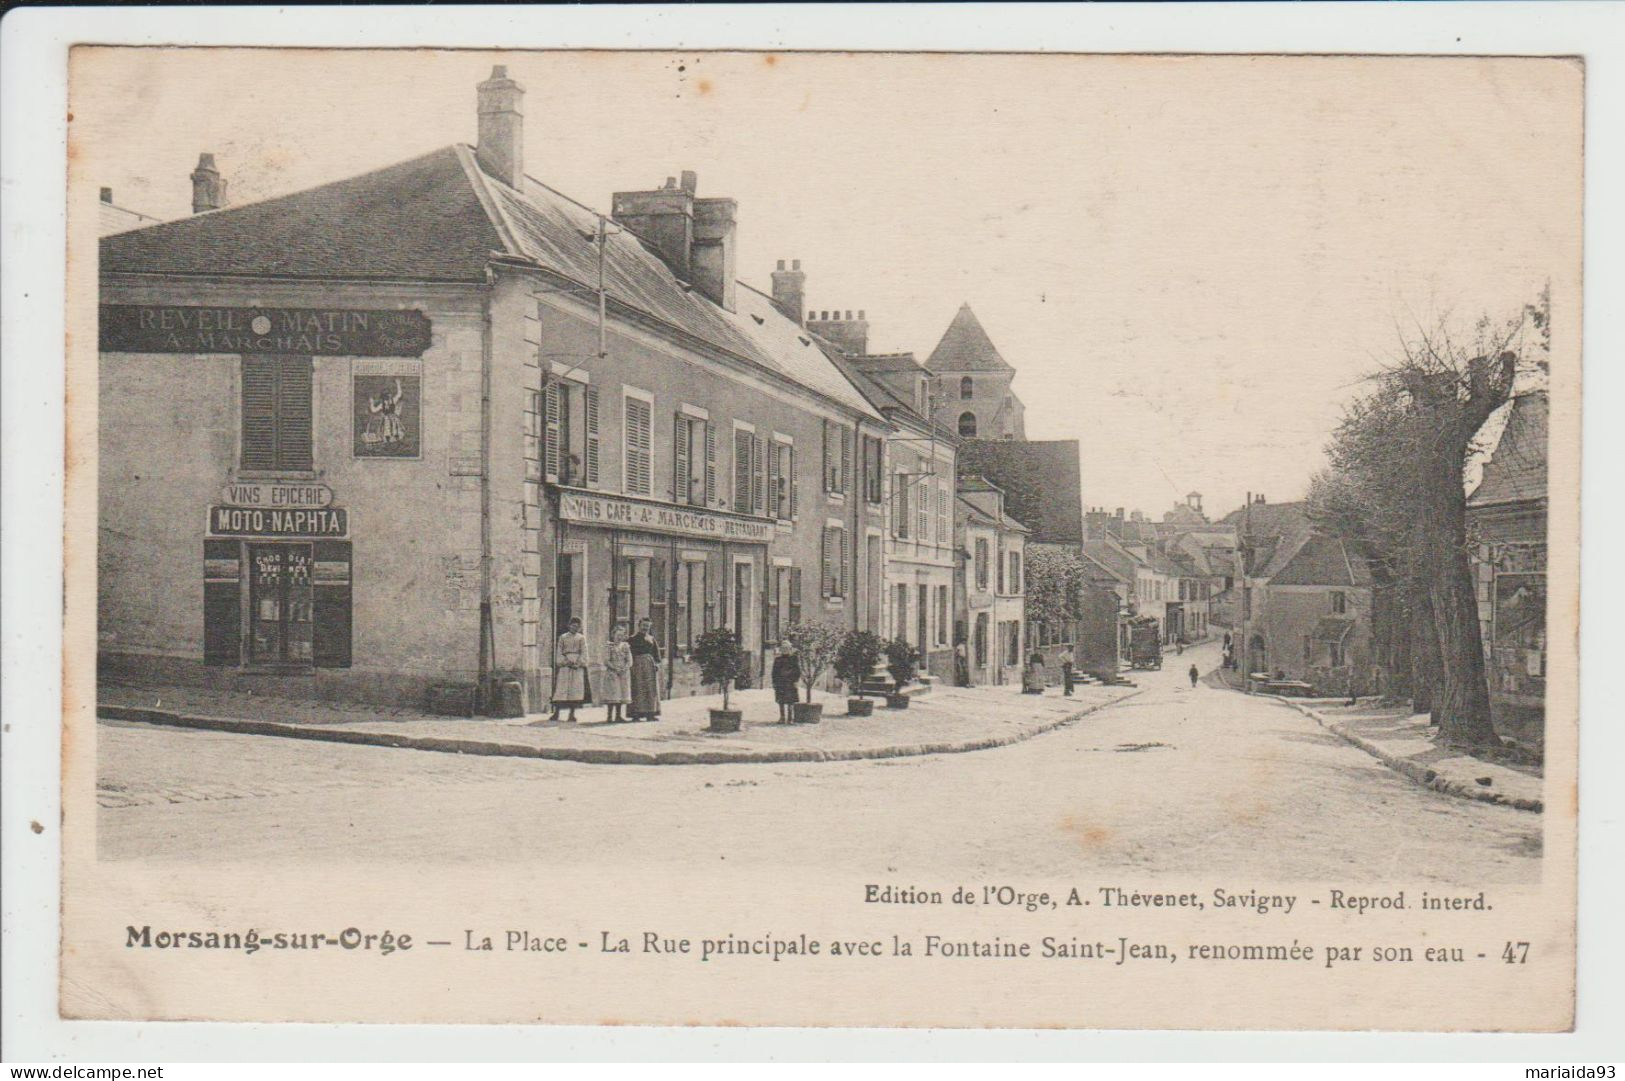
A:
x,y
591,755
1430,775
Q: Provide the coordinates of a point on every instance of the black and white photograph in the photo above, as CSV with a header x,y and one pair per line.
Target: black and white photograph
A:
x,y
1071,526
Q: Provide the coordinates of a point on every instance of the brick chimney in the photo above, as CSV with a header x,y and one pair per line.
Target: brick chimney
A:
x,y
694,237
208,186
716,221
789,290
501,146
849,335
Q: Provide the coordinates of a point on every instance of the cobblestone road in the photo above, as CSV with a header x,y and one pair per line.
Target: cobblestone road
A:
x,y
1178,780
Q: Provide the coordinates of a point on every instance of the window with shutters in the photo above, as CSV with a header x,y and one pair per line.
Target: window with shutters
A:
x,y
570,441
844,437
693,461
899,505
874,477
781,476
1001,573
276,422
981,563
1015,572
836,558
944,526
639,452
922,508
590,449
793,612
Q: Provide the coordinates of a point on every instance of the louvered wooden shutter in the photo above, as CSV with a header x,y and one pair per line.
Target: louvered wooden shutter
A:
x,y
679,459
846,458
222,602
589,397
259,412
330,634
293,421
824,468
794,487
773,503
639,424
758,481
824,574
742,473
552,410
773,600
710,464
845,564
922,513
942,512
795,595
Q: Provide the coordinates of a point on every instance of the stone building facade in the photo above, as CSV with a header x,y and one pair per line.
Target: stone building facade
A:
x,y
991,583
415,420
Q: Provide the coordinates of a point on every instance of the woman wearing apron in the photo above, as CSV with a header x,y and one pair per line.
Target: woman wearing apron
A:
x,y
617,689
570,681
645,674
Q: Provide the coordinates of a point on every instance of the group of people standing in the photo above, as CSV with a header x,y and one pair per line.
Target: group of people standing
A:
x,y
630,689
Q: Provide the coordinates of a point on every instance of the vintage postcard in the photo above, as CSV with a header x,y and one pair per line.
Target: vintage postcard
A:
x,y
822,539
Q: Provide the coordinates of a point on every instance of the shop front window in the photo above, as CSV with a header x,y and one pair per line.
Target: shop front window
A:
x,y
280,622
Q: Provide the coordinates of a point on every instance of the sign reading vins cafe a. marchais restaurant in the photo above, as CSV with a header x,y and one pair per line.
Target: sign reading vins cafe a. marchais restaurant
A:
x,y
341,332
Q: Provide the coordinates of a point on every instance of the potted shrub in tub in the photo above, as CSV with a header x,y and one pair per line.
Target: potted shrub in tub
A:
x,y
902,662
814,645
720,659
854,661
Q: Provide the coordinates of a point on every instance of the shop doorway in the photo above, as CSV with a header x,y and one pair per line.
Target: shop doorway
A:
x,y
280,605
742,605
566,591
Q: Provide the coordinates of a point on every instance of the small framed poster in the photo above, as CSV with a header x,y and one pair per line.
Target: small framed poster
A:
x,y
386,409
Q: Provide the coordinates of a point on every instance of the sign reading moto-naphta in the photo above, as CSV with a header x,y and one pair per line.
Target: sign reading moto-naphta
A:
x,y
344,332
270,522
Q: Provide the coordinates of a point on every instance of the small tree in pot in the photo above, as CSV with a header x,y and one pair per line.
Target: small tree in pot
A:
x,y
902,662
720,659
854,661
814,645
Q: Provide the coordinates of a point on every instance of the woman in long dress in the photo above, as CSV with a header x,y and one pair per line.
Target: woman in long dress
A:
x,y
1032,680
645,674
570,679
617,689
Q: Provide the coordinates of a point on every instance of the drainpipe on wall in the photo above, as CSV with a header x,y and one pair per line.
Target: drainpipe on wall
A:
x,y
487,661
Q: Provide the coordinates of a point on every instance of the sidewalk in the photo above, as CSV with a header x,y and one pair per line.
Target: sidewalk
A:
x,y
947,720
1404,742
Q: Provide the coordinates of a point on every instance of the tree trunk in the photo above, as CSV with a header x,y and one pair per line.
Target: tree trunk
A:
x,y
1464,696
1425,659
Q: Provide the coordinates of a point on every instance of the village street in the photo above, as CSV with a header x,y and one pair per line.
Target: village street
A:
x,y
1173,781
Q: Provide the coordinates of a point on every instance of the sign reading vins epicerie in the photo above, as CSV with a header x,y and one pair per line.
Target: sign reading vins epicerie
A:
x,y
270,522
344,332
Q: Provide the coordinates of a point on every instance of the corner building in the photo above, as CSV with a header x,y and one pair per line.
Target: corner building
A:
x,y
416,420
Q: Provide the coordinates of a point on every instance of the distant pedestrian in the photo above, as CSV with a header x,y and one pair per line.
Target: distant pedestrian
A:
x,y
1194,674
645,673
961,664
570,679
1067,662
617,688
786,674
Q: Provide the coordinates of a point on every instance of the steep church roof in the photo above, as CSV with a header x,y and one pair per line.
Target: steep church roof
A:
x,y
965,347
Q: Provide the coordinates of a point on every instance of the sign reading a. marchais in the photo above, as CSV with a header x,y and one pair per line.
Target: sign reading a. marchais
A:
x,y
591,509
268,522
343,332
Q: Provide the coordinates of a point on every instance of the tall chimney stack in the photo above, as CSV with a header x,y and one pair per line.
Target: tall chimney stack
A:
x,y
501,147
208,186
790,290
716,222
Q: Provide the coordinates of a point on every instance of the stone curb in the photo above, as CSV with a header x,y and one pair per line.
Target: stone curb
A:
x,y
1416,771
592,756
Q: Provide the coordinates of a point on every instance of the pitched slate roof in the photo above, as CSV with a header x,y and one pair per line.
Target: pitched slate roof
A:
x,y
1040,479
418,220
439,217
1115,559
965,347
1004,521
1320,560
1517,469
